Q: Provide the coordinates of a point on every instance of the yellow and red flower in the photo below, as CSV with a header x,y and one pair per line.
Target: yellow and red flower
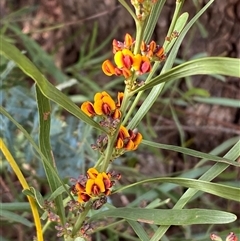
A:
x,y
103,105
141,64
97,184
88,108
124,59
128,139
108,68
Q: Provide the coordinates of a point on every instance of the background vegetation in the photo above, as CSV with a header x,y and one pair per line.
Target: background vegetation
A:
x,y
201,113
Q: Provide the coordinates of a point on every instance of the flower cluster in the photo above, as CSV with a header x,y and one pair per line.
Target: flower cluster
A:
x,y
127,63
105,106
95,185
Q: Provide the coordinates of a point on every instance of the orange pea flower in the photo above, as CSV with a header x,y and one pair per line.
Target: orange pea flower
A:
x,y
128,139
124,59
103,104
122,136
127,44
88,109
82,196
141,64
108,68
97,183
92,173
95,186
135,140
128,41
120,99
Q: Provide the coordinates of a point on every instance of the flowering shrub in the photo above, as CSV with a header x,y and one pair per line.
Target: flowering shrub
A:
x,y
76,210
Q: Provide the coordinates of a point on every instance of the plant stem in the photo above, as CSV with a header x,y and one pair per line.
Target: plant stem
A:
x,y
139,94
123,2
177,10
81,218
139,35
112,138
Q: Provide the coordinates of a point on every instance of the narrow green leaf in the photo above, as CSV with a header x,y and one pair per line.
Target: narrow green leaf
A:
x,y
190,152
197,92
219,101
38,197
153,19
58,192
169,217
27,192
13,217
15,206
45,147
11,52
139,230
224,191
209,175
180,24
202,66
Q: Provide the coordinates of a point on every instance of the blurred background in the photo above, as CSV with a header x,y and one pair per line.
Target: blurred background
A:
x,y
68,41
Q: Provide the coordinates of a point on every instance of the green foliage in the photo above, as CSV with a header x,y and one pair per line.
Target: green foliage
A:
x,y
60,135
66,135
169,217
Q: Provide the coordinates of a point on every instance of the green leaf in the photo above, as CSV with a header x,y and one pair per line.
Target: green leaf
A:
x,y
27,192
11,52
190,152
38,197
153,19
169,217
209,175
45,147
58,192
180,24
196,91
138,229
224,191
219,101
202,66
15,206
13,217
